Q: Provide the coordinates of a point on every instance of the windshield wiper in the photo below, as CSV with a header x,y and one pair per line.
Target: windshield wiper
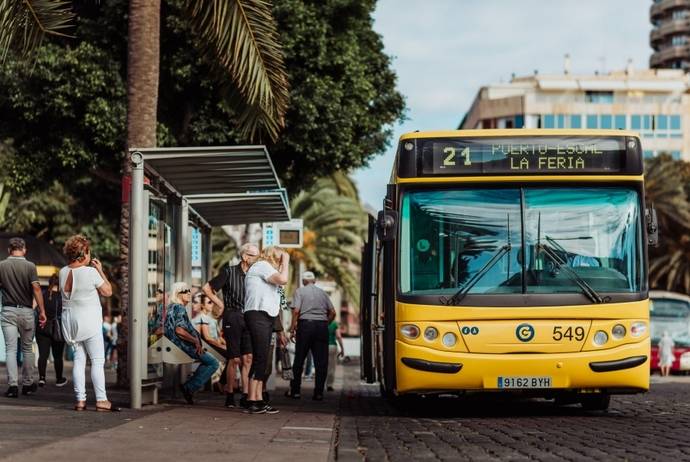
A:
x,y
460,294
592,294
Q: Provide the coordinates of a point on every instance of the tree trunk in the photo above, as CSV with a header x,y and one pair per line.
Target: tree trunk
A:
x,y
142,103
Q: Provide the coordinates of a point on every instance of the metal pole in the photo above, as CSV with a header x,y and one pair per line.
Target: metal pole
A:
x,y
137,277
184,263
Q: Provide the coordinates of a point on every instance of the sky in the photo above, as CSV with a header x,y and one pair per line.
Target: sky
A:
x,y
443,51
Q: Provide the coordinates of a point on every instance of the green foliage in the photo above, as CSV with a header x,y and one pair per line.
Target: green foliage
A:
x,y
334,224
66,118
240,41
343,98
666,181
24,23
223,249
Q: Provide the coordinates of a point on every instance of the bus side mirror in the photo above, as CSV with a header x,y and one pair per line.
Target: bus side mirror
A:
x,y
652,227
387,224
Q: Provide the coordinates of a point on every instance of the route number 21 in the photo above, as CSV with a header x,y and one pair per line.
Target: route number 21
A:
x,y
449,160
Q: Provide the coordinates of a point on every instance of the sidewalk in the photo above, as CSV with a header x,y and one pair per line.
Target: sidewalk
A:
x,y
44,427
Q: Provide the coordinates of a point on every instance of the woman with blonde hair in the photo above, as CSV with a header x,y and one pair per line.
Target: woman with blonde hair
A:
x,y
261,307
180,331
81,283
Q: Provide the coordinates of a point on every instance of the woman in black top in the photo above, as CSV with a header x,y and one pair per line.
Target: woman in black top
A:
x,y
50,336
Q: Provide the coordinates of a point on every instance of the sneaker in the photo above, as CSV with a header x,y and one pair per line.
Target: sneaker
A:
x,y
290,394
308,378
29,389
255,408
12,392
270,409
230,401
61,382
188,396
329,388
244,402
42,382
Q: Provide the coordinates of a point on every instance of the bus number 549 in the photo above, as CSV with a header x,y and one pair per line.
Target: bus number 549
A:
x,y
569,333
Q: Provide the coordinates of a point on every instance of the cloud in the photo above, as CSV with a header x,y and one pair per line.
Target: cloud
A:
x,y
445,50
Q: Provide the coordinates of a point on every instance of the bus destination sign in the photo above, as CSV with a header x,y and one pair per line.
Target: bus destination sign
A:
x,y
530,155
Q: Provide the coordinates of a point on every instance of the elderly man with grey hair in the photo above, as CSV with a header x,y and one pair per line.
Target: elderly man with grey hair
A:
x,y
312,311
230,280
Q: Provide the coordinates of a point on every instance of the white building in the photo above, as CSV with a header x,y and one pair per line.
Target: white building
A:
x,y
653,102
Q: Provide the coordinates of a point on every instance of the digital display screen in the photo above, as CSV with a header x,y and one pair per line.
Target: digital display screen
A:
x,y
529,155
289,236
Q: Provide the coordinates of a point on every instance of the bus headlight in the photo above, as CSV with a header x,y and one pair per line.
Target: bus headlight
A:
x,y
618,331
600,338
409,330
449,339
638,328
430,333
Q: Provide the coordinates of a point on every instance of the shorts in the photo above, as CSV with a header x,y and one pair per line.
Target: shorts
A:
x,y
237,338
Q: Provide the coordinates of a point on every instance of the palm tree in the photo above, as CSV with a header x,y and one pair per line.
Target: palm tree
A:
x,y
24,24
240,43
334,228
665,182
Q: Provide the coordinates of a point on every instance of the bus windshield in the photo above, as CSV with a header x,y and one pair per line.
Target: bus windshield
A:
x,y
530,240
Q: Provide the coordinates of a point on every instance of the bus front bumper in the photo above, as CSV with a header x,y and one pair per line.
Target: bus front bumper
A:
x,y
623,369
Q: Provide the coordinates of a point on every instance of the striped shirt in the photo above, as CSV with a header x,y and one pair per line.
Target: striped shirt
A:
x,y
231,280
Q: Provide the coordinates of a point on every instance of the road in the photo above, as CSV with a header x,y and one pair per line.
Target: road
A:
x,y
652,426
352,424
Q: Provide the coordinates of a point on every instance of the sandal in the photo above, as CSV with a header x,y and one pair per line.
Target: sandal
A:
x,y
80,406
109,408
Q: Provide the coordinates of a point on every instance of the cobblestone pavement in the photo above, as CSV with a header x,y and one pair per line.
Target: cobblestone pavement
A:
x,y
652,426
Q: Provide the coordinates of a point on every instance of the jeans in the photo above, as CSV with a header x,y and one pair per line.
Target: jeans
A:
x,y
311,336
96,351
18,324
203,373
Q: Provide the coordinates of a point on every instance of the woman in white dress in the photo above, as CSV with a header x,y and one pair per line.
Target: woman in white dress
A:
x,y
666,356
81,282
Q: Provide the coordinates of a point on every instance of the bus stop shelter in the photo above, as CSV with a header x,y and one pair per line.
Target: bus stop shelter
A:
x,y
177,195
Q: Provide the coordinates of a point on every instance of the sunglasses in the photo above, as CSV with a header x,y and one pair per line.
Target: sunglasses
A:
x,y
186,291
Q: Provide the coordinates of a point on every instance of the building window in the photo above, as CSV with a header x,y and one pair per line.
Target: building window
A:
x,y
679,14
675,122
648,154
592,121
675,155
606,121
561,121
619,122
549,121
661,122
599,97
575,121
519,121
636,122
679,40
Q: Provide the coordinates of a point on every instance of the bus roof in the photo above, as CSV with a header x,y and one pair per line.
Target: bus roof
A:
x,y
516,132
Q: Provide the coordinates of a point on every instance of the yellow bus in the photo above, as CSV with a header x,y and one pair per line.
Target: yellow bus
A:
x,y
510,261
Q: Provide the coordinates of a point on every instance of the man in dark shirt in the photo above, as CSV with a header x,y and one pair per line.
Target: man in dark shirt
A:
x,y
230,280
20,286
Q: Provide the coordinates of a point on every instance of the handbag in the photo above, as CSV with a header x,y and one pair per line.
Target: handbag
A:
x,y
286,364
53,329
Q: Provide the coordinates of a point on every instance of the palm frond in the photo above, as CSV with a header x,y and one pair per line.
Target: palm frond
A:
x,y
24,24
241,40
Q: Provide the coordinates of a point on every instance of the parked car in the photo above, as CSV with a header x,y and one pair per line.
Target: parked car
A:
x,y
670,311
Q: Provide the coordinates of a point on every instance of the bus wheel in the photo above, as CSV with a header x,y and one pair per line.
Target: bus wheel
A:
x,y
596,402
